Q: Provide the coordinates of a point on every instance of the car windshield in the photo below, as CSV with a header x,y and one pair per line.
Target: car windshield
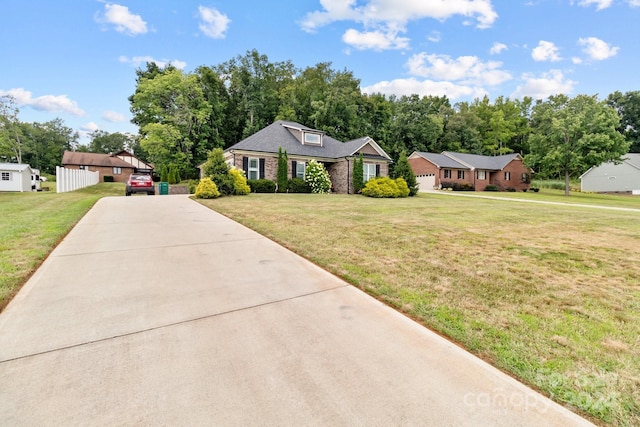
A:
x,y
141,177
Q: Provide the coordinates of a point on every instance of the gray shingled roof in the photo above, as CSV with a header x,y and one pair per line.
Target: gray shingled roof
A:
x,y
441,160
477,161
276,135
633,159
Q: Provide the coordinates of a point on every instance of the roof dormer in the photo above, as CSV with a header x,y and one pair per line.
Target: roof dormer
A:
x,y
311,138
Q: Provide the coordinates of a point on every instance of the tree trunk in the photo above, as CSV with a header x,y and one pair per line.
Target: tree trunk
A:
x,y
566,183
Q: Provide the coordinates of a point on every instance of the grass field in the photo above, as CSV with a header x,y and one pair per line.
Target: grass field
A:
x,y
548,293
32,224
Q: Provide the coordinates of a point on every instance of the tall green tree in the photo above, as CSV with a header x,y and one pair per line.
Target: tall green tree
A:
x,y
217,169
403,170
570,135
107,143
174,116
628,107
10,133
282,173
45,143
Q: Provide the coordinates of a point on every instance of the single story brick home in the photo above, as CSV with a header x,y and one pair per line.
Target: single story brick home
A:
x,y
609,177
257,155
15,177
505,172
119,165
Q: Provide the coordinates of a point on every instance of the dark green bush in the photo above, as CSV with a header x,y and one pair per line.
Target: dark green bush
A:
x,y
298,185
511,190
262,185
491,188
456,186
193,184
108,178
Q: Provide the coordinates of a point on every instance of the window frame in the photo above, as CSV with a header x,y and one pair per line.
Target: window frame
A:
x,y
251,169
460,174
116,170
507,176
447,174
304,169
6,176
366,171
315,140
482,175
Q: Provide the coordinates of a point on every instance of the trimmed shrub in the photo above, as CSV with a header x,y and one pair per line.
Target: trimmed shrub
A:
x,y
282,173
456,186
262,186
491,187
240,187
108,178
193,184
298,185
207,189
317,177
385,187
358,174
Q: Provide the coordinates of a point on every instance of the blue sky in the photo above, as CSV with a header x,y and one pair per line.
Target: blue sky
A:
x,y
76,59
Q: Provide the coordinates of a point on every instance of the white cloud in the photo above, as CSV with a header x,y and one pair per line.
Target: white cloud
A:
x,y
114,117
138,61
469,70
634,3
390,17
90,127
498,48
545,51
50,103
435,36
213,23
600,4
412,86
123,20
544,85
597,49
375,40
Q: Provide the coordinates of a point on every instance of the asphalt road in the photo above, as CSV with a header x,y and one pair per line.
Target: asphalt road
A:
x,y
159,311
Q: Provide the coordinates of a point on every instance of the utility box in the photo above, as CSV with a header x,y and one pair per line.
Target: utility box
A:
x,y
163,188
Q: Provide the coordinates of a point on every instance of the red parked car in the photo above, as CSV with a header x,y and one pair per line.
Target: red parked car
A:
x,y
140,183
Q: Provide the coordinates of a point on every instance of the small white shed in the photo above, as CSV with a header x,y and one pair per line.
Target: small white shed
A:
x,y
15,177
610,177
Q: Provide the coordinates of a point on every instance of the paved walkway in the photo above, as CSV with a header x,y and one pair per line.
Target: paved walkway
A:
x,y
159,311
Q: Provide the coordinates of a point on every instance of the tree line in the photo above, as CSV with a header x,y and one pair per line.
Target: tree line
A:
x,y
182,116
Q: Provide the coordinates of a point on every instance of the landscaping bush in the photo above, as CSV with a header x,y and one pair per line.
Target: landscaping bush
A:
x,y
317,177
193,184
491,187
262,186
456,186
207,189
107,178
385,187
298,185
240,187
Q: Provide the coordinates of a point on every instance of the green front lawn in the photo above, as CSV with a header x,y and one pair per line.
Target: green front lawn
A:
x,y
548,293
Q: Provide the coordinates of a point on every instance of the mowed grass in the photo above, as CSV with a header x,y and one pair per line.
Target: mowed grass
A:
x,y
548,293
32,224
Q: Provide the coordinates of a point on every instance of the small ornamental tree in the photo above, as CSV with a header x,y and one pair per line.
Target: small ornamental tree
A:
x,y
207,189
403,170
218,170
385,187
317,177
240,186
164,173
282,171
358,174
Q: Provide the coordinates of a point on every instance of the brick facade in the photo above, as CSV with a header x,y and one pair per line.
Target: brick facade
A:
x,y
340,171
108,171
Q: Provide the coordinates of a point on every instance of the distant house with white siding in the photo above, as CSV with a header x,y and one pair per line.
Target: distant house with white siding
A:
x,y
614,178
15,177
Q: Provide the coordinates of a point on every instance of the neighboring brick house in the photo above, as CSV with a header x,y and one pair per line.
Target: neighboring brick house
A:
x,y
119,165
257,155
505,172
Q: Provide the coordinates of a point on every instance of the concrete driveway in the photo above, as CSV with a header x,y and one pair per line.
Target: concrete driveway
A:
x,y
159,311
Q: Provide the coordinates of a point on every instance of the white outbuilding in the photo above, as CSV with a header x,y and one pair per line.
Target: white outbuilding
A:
x,y
623,177
15,177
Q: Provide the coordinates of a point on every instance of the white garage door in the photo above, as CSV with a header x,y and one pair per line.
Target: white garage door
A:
x,y
426,182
